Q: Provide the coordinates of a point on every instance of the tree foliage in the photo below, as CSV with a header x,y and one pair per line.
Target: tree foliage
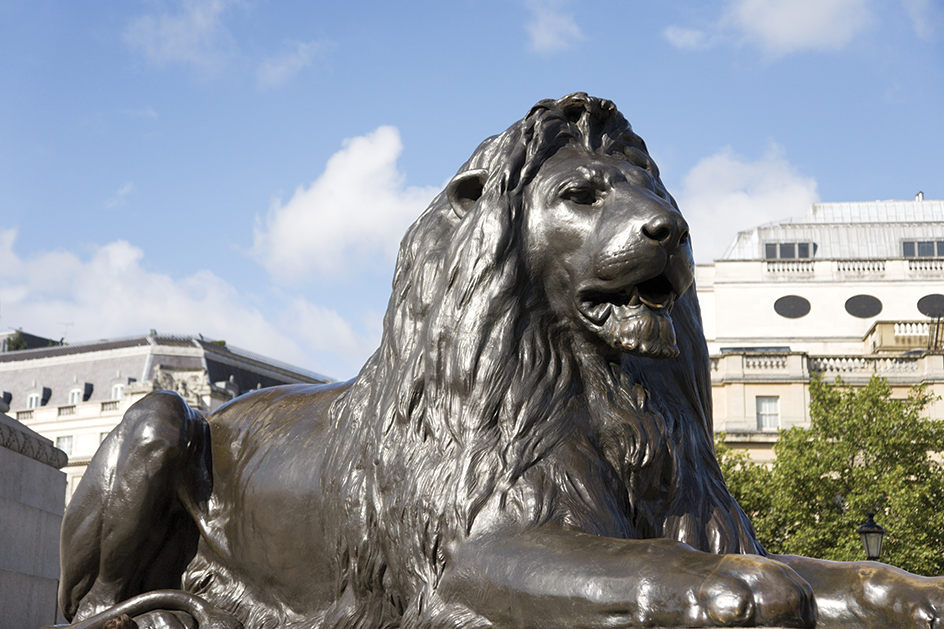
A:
x,y
16,342
864,451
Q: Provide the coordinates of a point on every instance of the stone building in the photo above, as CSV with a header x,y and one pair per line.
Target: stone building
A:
x,y
75,394
849,290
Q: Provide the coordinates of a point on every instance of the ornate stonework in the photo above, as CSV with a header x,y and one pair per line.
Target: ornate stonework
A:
x,y
20,439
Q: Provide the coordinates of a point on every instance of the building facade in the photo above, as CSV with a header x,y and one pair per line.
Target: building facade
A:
x,y
849,290
75,394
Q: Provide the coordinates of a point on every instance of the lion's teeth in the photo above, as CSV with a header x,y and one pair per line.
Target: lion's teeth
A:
x,y
600,312
650,303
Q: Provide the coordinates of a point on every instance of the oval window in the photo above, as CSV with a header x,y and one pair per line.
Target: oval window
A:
x,y
863,306
931,306
792,307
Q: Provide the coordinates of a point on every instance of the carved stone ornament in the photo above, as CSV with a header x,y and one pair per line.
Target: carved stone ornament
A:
x,y
530,446
189,384
14,436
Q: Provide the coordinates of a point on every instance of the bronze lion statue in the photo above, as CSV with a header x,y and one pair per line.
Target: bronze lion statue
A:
x,y
530,446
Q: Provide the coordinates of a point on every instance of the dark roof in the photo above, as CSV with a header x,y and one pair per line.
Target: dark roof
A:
x,y
210,347
73,348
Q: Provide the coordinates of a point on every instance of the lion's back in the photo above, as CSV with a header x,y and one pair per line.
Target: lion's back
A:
x,y
280,430
266,518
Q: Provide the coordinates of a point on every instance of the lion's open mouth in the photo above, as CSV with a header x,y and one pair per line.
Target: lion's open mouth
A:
x,y
656,293
635,319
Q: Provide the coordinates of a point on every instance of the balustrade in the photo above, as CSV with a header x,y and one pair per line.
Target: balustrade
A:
x,y
911,329
863,364
765,361
926,264
860,266
789,266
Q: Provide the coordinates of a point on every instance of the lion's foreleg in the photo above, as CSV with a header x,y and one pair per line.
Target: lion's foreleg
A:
x,y
870,595
575,579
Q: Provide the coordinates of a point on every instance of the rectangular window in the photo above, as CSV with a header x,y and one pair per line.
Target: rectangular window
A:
x,y
770,251
32,400
102,436
117,391
768,412
803,250
922,248
65,444
787,250
75,396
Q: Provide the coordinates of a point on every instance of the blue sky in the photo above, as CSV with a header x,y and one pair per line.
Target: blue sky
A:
x,y
244,169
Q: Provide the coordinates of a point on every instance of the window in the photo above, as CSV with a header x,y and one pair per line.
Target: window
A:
x,y
102,436
32,400
768,412
75,396
117,391
864,306
788,250
792,306
65,444
922,248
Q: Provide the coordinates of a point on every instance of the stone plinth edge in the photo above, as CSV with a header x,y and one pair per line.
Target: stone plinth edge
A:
x,y
17,437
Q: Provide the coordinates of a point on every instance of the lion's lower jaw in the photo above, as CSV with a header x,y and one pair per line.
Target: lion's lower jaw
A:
x,y
647,334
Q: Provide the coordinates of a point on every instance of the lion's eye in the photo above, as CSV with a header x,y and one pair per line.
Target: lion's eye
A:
x,y
581,194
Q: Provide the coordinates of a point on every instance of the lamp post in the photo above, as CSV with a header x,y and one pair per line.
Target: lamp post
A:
x,y
871,534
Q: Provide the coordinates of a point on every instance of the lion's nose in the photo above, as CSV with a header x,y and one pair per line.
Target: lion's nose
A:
x,y
666,228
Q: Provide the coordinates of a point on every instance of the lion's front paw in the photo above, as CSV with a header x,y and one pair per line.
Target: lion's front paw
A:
x,y
894,598
753,591
726,591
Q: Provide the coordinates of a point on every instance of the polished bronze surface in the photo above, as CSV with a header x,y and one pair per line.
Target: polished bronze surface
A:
x,y
530,446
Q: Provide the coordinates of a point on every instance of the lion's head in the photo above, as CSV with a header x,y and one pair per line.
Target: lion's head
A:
x,y
544,297
601,235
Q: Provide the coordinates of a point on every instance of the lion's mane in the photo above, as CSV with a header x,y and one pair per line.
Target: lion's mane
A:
x,y
475,389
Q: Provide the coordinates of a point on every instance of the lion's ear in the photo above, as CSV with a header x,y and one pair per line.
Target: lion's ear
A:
x,y
465,189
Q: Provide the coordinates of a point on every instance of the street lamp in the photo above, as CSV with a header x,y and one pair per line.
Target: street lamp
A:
x,y
871,534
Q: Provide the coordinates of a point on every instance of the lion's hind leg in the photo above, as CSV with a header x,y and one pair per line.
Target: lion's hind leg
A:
x,y
127,530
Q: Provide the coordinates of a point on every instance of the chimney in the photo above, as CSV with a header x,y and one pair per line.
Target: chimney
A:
x,y
919,196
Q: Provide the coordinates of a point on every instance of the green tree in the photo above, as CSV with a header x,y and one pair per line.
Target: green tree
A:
x,y
864,451
16,342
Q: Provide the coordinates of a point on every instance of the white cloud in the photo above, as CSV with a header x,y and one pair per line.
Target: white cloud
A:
x,y
549,29
686,38
195,35
109,294
358,207
926,17
278,70
781,27
118,199
725,193
329,335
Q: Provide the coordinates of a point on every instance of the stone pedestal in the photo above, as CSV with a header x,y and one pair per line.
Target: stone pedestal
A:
x,y
32,499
